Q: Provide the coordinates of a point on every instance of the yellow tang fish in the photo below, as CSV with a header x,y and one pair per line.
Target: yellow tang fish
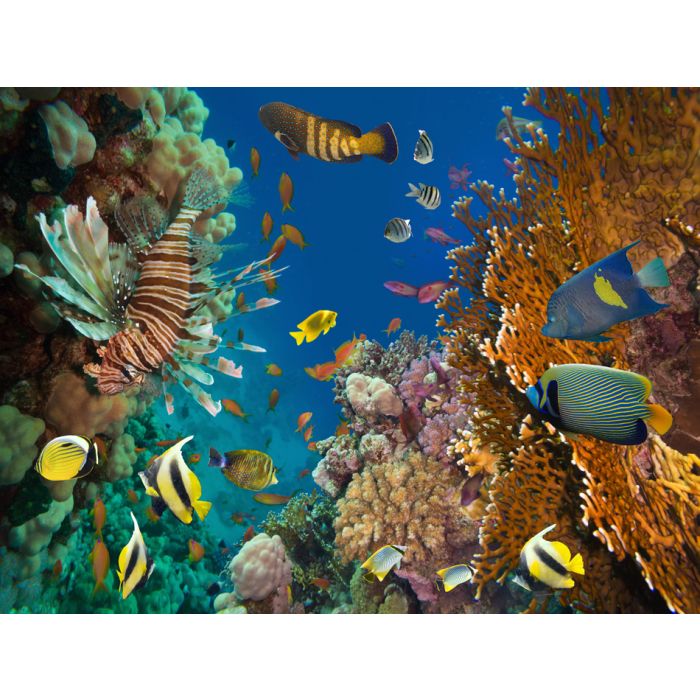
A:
x,y
249,469
327,139
312,326
67,457
135,566
384,560
172,484
545,565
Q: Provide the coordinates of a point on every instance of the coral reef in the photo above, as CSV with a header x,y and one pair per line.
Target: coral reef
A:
x,y
18,436
636,176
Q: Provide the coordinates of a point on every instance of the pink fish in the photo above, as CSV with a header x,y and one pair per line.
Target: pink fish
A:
x,y
458,177
401,288
431,291
439,236
511,166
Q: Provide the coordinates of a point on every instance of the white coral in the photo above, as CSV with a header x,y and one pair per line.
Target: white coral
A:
x,y
260,568
372,396
71,140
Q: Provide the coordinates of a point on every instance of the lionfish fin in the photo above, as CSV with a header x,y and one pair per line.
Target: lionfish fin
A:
x,y
125,271
142,221
200,396
203,190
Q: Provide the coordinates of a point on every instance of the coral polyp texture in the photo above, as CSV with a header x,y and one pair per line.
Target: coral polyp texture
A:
x,y
636,176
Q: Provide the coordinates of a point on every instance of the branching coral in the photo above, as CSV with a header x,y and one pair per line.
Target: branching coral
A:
x,y
625,185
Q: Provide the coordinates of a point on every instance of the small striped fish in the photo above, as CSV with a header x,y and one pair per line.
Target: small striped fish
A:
x,y
172,484
423,152
384,560
454,576
398,230
428,196
248,469
135,566
67,457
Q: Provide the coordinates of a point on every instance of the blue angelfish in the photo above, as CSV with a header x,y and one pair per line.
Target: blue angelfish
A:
x,y
604,402
603,295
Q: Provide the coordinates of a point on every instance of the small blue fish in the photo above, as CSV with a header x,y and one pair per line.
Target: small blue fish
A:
x,y
604,402
603,295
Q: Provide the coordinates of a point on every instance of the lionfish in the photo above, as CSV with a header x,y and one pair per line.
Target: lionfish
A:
x,y
154,299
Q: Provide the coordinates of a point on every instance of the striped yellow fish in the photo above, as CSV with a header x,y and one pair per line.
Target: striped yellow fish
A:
x,y
546,565
453,576
172,484
249,469
135,566
67,457
384,560
327,139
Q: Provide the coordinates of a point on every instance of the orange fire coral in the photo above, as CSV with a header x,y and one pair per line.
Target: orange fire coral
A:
x,y
639,180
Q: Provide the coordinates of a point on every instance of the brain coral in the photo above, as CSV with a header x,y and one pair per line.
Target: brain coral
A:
x,y
372,396
18,433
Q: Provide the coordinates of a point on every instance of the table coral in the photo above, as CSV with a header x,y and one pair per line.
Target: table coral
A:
x,y
631,179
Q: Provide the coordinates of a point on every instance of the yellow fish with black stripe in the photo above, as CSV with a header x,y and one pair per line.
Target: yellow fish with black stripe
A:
x,y
327,139
67,457
135,566
249,469
546,565
172,484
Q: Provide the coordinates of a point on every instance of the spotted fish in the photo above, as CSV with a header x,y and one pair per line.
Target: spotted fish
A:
x,y
327,139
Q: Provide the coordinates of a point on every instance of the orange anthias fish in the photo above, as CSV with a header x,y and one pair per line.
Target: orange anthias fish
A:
x,y
255,161
322,372
168,443
238,518
271,499
393,326
273,399
138,450
342,429
273,369
196,551
100,565
195,458
248,534
151,515
294,235
303,473
57,569
322,583
232,407
344,352
266,226
132,496
269,280
311,446
240,302
286,188
99,515
277,248
308,433
303,419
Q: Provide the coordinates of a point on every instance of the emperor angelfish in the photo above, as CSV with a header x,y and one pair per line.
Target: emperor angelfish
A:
x,y
398,230
67,457
604,402
423,152
545,565
327,139
172,484
135,566
428,196
603,295
384,560
454,576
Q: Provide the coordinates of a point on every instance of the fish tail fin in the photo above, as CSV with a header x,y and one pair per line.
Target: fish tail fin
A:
x,y
202,509
575,566
659,418
99,586
203,191
413,190
380,142
287,207
654,274
298,336
216,459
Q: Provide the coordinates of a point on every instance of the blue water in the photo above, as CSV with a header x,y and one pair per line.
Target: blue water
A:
x,y
341,209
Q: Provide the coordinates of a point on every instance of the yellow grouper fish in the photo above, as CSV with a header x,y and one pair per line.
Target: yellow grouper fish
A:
x,y
327,139
312,326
